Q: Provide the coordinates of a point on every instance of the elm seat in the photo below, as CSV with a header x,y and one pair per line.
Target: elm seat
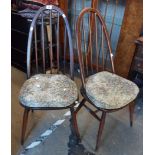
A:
x,y
48,90
110,91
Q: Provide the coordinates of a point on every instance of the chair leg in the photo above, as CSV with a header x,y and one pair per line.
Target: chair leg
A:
x,y
74,121
131,111
25,119
80,105
101,126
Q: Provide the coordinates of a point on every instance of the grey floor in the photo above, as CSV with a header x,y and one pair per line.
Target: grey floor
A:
x,y
118,137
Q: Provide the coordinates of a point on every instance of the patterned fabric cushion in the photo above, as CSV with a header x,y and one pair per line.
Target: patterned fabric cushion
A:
x,y
48,90
110,91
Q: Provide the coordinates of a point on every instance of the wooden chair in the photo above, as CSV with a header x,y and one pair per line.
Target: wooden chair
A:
x,y
57,90
101,87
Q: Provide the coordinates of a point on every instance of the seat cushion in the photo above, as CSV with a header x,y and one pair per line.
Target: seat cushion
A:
x,y
110,91
48,90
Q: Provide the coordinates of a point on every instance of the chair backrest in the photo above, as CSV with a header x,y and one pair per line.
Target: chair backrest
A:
x,y
46,49
93,43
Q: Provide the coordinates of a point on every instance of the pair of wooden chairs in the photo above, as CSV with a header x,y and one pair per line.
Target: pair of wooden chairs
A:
x,y
105,90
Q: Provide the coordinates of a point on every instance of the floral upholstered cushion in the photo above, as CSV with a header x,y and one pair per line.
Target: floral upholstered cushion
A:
x,y
110,91
48,90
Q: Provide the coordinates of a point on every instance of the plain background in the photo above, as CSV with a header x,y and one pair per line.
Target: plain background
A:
x,y
149,77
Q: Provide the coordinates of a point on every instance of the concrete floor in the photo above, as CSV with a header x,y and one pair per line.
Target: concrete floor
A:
x,y
118,137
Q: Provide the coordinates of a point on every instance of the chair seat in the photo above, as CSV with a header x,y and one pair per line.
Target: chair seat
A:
x,y
48,90
110,91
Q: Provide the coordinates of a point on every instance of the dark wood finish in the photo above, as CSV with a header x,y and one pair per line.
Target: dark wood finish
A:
x,y
84,72
46,49
80,105
75,126
25,120
131,112
101,126
93,113
96,14
130,31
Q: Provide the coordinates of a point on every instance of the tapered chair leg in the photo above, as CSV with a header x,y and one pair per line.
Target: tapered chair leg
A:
x,y
74,121
25,119
131,112
101,126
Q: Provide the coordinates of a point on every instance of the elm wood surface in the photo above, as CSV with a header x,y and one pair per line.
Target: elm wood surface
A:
x,y
26,97
111,86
